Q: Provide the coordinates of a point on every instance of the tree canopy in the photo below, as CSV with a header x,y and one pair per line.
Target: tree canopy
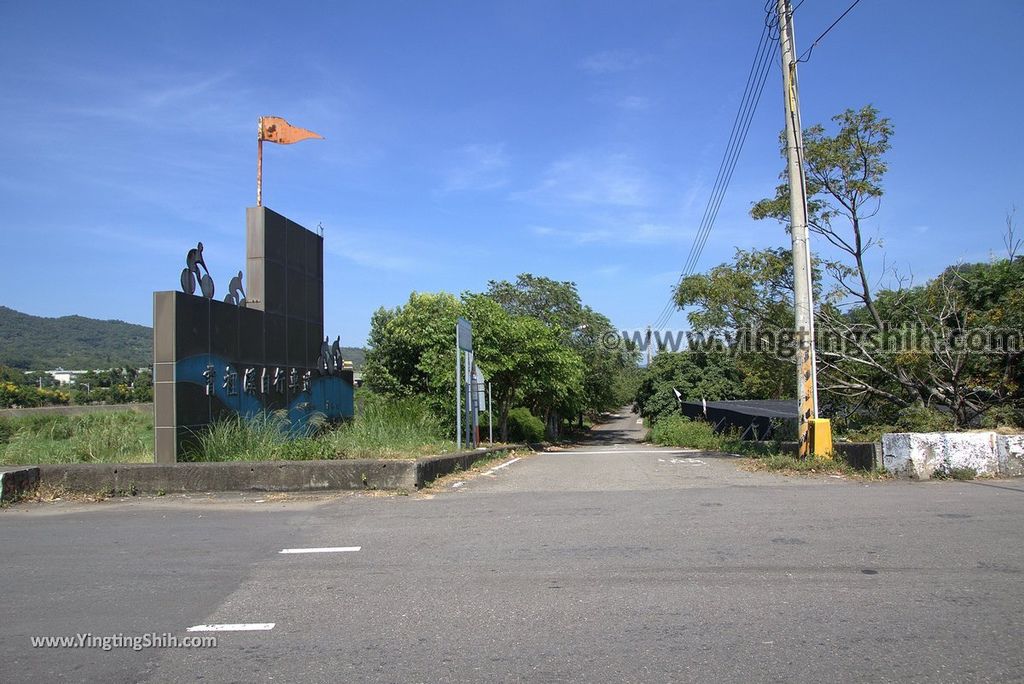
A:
x,y
883,352
539,346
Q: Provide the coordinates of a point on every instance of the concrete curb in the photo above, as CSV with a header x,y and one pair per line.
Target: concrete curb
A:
x,y
253,476
428,469
16,481
233,476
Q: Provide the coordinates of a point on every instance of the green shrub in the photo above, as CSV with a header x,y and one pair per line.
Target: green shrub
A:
x,y
676,430
910,419
523,426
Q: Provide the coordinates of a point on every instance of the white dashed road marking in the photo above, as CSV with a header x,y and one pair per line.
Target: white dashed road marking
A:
x,y
323,549
503,465
239,627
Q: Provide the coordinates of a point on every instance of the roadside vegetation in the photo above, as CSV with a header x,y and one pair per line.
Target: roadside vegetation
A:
x,y
893,354
113,437
680,431
402,428
543,351
382,428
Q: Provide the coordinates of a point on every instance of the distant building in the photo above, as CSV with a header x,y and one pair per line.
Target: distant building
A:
x,y
65,377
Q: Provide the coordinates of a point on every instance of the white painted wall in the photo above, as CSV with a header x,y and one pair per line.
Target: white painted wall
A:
x,y
919,454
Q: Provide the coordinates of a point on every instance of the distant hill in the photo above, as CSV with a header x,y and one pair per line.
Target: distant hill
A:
x,y
75,342
72,342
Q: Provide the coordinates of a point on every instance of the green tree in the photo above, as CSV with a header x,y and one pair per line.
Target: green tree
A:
x,y
857,369
748,303
557,305
412,352
695,374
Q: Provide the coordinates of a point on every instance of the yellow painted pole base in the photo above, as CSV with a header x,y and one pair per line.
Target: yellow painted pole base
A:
x,y
821,437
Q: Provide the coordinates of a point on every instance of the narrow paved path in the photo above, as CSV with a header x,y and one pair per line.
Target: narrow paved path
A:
x,y
614,457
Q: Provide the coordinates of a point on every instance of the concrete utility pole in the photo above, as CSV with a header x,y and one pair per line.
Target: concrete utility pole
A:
x,y
807,385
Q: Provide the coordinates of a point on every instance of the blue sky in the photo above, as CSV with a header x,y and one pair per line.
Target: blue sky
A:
x,y
469,141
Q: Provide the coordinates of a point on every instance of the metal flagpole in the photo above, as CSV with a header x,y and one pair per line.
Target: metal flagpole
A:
x,y
259,164
490,416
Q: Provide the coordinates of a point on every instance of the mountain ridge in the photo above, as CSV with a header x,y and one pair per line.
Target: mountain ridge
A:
x,y
76,342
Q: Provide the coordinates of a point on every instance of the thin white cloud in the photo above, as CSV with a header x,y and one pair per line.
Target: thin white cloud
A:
x,y
634,103
624,234
172,102
609,270
614,180
370,255
479,166
613,62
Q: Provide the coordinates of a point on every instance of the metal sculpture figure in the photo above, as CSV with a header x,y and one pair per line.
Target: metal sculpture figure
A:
x,y
325,364
336,360
191,274
235,295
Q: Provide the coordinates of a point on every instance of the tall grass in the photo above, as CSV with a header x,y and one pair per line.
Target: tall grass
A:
x,y
389,428
114,437
265,437
382,428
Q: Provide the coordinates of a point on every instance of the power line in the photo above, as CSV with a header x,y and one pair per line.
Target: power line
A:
x,y
755,81
807,53
756,78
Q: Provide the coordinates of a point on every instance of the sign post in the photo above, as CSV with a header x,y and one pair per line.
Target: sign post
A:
x,y
463,343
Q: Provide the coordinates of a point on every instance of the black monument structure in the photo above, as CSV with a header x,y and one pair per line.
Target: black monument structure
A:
x,y
258,351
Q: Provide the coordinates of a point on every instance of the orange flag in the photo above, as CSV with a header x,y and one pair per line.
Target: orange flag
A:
x,y
276,130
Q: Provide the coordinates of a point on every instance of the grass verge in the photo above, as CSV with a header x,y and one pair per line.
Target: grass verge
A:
x,y
382,428
115,437
403,428
682,432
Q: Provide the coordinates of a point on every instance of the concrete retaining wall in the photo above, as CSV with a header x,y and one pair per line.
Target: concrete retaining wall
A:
x,y
862,455
920,455
1011,455
16,481
256,476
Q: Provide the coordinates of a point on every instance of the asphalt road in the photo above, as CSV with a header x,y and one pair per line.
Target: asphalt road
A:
x,y
616,561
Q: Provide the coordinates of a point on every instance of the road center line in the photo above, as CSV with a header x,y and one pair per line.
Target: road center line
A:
x,y
238,627
503,465
323,549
